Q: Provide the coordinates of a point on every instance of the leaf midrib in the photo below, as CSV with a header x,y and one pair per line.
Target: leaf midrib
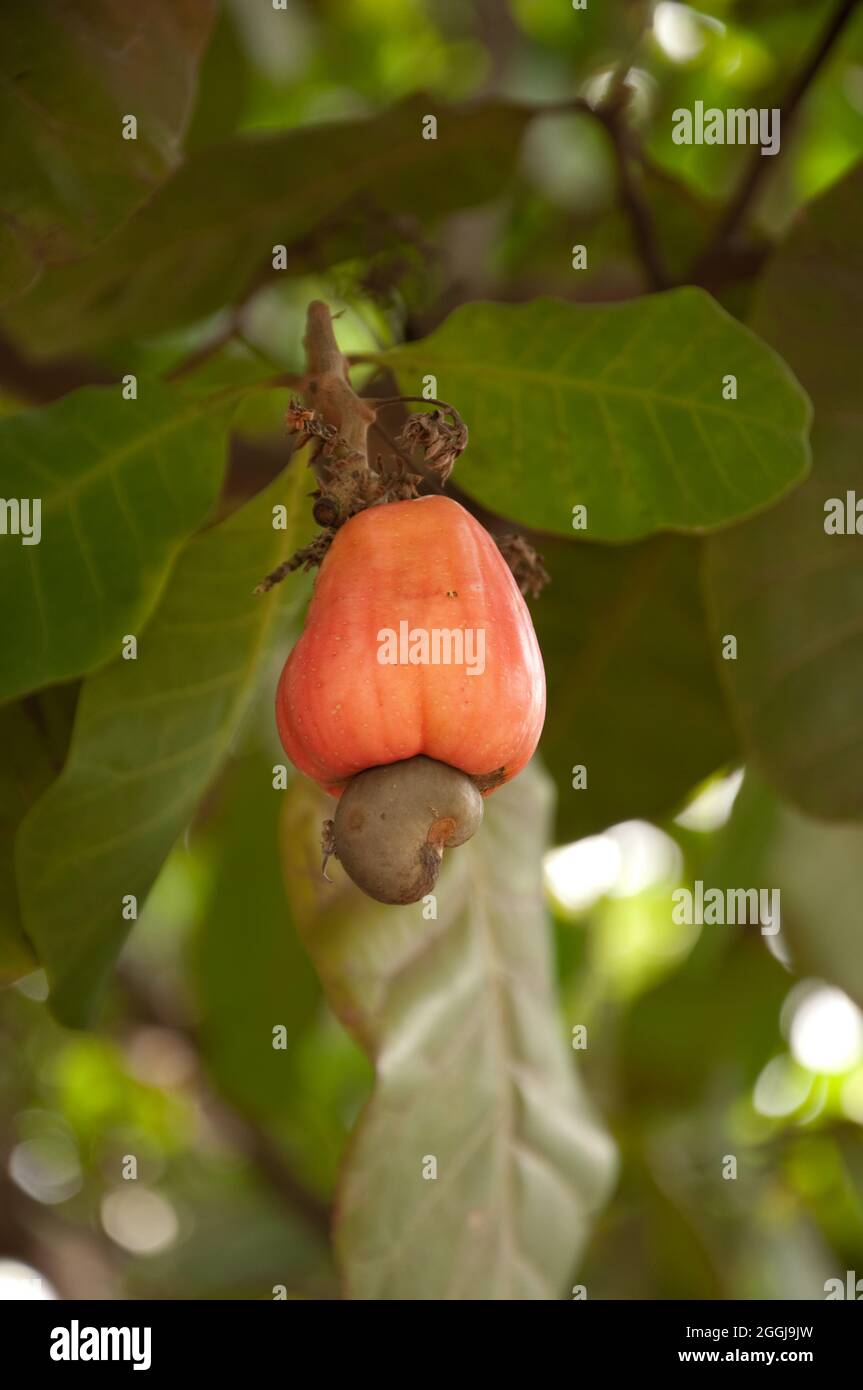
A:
x,y
591,385
504,1132
111,462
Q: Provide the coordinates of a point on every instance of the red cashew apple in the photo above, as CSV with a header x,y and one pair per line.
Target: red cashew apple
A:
x,y
418,660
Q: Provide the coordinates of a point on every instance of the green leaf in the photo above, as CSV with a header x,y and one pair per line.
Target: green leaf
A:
x,y
122,484
149,736
472,1068
70,74
322,190
34,736
224,78
788,591
633,693
617,407
676,1038
818,870
249,982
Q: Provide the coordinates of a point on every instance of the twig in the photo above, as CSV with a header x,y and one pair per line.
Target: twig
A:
x,y
760,167
206,350
251,1138
632,196
610,112
38,382
337,421
307,558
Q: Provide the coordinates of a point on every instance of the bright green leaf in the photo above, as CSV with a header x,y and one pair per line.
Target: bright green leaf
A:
x,y
473,1070
121,483
617,407
70,74
322,191
789,592
149,736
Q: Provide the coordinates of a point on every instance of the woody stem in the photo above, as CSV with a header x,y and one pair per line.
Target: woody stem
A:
x,y
327,389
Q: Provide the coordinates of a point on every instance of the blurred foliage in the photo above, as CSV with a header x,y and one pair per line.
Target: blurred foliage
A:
x,y
301,126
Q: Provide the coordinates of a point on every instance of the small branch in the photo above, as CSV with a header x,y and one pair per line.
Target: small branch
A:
x,y
337,421
187,365
611,111
761,166
632,196
379,404
38,382
307,558
251,1138
611,114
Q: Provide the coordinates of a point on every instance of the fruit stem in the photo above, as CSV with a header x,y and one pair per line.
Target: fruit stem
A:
x,y
327,387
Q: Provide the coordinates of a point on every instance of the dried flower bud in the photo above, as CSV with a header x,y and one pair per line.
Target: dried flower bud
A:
x,y
529,572
440,441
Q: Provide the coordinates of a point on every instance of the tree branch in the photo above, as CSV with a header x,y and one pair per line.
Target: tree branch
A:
x,y
628,157
632,196
249,1136
760,167
41,381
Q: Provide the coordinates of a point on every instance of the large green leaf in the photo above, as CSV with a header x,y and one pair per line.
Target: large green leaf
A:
x,y
818,870
122,483
618,407
149,736
198,243
70,73
676,1040
791,593
472,1069
633,693
34,737
248,982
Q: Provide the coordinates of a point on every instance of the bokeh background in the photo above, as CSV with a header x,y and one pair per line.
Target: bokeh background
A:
x,y
703,1042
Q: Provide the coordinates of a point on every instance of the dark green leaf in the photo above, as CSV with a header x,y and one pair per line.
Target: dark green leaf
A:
x,y
789,592
34,736
818,870
617,407
122,483
70,73
678,1035
223,82
197,245
149,736
472,1069
251,976
633,693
